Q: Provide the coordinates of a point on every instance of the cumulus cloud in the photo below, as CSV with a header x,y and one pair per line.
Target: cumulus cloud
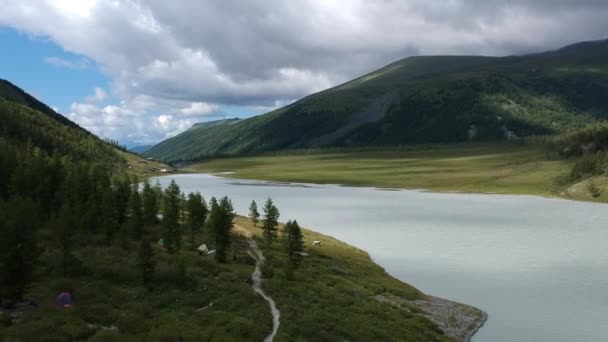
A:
x,y
137,120
99,95
198,109
186,58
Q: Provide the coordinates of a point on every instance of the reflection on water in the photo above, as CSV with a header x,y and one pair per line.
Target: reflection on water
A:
x,y
537,266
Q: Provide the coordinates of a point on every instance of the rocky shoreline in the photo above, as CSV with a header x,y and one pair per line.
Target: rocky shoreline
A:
x,y
454,319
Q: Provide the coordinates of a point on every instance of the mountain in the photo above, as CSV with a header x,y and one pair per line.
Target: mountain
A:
x,y
140,149
27,121
423,99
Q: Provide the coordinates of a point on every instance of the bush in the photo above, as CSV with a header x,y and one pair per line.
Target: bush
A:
x,y
588,165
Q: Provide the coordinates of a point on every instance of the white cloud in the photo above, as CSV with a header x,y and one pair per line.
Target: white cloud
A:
x,y
79,64
199,109
99,95
135,121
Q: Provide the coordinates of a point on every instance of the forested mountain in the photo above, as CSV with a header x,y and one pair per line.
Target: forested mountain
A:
x,y
54,178
12,93
27,121
422,100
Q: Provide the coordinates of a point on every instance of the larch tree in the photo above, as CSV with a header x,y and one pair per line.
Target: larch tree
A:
x,y
227,215
271,221
18,247
170,220
150,205
295,245
197,212
135,221
254,215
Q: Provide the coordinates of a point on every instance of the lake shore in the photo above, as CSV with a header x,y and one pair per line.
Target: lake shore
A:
x,y
358,271
483,168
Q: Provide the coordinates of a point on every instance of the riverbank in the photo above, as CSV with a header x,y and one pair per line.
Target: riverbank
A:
x,y
340,293
482,168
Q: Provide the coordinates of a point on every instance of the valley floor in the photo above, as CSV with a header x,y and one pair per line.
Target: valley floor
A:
x,y
478,168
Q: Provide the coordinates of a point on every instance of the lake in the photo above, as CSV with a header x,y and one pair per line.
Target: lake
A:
x,y
537,266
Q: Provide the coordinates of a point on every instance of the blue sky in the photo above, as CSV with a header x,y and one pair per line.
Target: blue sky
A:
x,y
55,85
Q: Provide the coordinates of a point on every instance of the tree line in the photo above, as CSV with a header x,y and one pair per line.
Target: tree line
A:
x,y
51,201
291,237
84,203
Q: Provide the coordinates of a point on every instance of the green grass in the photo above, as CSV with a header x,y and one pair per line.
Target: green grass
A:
x,y
331,297
141,167
108,292
505,169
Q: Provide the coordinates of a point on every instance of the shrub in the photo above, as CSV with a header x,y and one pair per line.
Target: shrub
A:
x,y
587,165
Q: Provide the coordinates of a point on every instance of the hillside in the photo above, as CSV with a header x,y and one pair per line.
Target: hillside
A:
x,y
426,99
25,120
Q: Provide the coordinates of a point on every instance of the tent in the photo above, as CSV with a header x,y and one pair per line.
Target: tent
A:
x,y
64,300
202,249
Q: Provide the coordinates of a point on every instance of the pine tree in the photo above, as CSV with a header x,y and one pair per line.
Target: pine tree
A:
x,y
135,222
150,205
271,221
122,195
109,222
64,230
18,246
145,261
254,215
171,218
295,245
197,212
223,227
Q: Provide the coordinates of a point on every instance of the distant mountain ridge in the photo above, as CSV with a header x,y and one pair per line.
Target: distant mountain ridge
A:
x,y
423,99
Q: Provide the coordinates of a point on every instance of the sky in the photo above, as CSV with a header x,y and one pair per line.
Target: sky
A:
x,y
142,71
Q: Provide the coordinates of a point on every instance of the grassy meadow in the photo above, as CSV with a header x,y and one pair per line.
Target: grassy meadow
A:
x,y
495,168
199,301
331,297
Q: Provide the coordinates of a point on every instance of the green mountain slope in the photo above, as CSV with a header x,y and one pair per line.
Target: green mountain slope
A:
x,y
423,100
27,121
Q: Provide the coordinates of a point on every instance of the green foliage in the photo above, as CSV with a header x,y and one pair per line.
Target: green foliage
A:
x,y
150,205
197,213
18,246
588,165
254,215
145,261
135,220
594,190
65,230
171,214
271,221
223,224
22,125
294,243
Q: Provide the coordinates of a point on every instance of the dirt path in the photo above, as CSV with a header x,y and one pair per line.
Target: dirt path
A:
x,y
256,277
